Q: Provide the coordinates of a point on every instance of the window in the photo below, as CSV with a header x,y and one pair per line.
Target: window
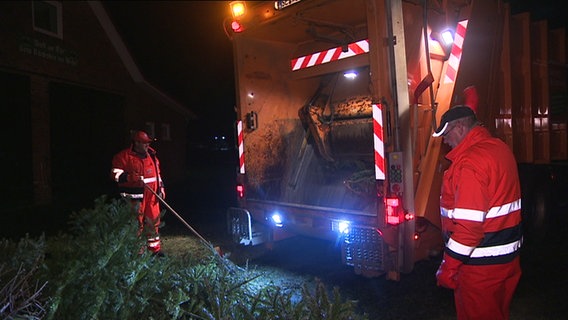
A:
x,y
47,18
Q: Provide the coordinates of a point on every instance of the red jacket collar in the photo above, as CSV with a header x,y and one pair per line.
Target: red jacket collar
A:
x,y
475,135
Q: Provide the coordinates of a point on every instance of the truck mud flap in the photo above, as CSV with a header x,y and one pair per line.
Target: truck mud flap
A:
x,y
363,249
241,228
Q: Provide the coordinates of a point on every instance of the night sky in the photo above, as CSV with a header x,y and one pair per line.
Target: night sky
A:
x,y
181,48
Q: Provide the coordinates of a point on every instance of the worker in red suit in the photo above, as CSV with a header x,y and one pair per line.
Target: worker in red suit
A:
x,y
480,206
137,170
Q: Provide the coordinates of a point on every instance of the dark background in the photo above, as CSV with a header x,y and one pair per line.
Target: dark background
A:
x,y
181,48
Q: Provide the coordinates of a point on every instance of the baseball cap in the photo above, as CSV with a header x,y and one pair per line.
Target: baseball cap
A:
x,y
141,136
454,113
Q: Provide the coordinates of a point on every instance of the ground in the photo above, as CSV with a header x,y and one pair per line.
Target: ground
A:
x,y
298,261
294,262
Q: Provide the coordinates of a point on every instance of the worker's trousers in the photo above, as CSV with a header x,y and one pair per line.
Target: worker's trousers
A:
x,y
149,220
485,292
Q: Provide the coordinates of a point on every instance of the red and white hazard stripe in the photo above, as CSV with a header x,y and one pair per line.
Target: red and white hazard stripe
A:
x,y
241,147
310,60
455,55
379,141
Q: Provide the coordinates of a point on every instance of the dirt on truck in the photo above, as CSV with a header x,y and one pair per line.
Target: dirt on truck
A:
x,y
337,100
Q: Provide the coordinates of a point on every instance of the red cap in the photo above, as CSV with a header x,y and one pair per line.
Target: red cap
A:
x,y
141,136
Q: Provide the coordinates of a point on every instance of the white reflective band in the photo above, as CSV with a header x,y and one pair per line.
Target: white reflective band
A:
x,y
456,52
477,215
154,242
148,180
333,54
463,214
117,172
468,214
378,141
504,209
444,212
496,250
132,195
459,248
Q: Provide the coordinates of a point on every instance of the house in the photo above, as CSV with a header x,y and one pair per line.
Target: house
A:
x,y
70,93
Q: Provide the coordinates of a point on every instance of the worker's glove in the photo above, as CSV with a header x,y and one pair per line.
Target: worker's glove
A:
x,y
162,193
447,273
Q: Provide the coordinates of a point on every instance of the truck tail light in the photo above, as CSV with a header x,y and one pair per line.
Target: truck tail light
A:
x,y
238,10
237,26
392,210
395,214
240,191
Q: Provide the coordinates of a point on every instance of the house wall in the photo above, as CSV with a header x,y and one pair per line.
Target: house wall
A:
x,y
68,105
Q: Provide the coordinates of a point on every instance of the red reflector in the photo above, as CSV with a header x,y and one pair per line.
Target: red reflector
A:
x,y
393,220
392,213
240,190
236,26
393,202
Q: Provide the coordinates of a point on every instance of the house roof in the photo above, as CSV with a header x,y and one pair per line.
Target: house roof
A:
x,y
129,63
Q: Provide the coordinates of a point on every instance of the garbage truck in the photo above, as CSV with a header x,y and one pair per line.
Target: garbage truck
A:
x,y
336,102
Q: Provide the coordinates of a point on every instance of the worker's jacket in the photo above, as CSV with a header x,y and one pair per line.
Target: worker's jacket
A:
x,y
129,167
481,201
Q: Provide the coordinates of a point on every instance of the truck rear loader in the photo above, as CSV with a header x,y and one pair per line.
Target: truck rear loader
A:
x,y
336,102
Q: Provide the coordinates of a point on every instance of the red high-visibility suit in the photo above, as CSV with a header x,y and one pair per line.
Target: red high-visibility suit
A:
x,y
131,171
481,222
